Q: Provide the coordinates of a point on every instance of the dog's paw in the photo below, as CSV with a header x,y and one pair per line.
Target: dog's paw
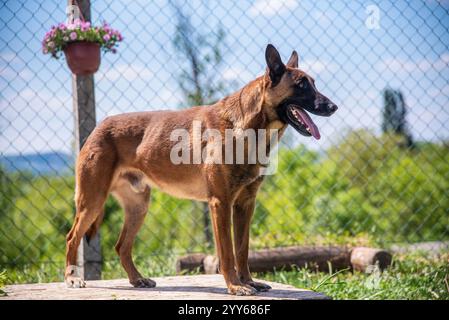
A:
x,y
72,277
74,282
241,290
143,283
259,286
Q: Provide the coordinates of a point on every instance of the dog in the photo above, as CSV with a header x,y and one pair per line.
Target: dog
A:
x,y
129,154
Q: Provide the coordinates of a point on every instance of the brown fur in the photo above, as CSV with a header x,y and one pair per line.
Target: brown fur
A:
x,y
128,154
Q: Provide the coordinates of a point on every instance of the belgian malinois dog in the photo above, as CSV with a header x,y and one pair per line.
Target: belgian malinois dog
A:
x,y
128,154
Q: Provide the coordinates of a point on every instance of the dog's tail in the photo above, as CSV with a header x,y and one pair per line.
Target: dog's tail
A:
x,y
93,229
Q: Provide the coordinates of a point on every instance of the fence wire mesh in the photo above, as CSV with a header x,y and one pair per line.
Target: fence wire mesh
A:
x,y
379,175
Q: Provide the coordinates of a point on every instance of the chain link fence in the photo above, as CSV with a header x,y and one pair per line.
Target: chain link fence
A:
x,y
378,176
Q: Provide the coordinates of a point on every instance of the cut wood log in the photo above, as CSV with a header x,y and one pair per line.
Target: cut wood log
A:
x,y
210,265
190,263
286,258
319,258
313,257
364,259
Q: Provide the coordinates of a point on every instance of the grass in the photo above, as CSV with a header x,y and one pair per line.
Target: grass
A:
x,y
2,283
412,276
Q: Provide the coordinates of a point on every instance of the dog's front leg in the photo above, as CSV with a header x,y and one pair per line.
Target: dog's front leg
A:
x,y
221,218
242,213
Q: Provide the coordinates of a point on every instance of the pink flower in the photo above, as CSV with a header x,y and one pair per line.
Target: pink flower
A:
x,y
106,37
106,26
73,36
85,26
51,44
62,26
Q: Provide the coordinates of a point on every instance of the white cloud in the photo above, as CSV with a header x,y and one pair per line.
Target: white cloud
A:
x,y
9,74
237,73
322,17
168,98
127,72
314,67
8,57
398,65
438,91
12,67
38,100
36,121
270,8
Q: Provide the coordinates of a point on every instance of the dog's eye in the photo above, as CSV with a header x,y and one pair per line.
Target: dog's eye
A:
x,y
303,84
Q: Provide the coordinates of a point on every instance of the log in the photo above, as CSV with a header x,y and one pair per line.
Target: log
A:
x,y
365,259
318,258
210,265
313,257
190,263
286,258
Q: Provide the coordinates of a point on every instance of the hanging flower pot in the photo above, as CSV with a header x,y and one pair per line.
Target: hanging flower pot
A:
x,y
81,44
83,58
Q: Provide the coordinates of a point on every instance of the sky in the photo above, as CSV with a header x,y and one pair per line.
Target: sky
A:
x,y
351,58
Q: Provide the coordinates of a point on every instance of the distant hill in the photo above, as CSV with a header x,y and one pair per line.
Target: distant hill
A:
x,y
50,163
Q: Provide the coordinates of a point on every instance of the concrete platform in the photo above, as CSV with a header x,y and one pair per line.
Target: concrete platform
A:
x,y
198,287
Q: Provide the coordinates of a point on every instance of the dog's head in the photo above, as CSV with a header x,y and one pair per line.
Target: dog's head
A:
x,y
290,92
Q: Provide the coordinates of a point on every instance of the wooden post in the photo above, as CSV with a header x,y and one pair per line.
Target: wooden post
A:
x,y
83,92
207,226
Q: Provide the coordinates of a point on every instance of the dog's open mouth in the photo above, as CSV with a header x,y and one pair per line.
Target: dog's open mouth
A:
x,y
298,118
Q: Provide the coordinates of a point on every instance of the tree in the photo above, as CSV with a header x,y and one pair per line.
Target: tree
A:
x,y
394,115
200,79
8,191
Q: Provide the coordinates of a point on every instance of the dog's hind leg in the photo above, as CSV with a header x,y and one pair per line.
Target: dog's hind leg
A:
x,y
134,197
95,169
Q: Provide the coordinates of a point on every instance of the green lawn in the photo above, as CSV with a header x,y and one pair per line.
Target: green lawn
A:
x,y
410,277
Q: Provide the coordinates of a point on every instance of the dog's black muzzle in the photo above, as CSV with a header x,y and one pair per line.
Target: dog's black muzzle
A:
x,y
320,105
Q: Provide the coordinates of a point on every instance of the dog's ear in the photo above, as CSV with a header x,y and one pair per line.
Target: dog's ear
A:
x,y
293,61
276,67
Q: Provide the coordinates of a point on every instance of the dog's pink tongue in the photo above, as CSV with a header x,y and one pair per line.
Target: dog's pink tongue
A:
x,y
307,120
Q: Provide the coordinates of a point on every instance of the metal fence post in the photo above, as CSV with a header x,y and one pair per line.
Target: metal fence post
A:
x,y
83,92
